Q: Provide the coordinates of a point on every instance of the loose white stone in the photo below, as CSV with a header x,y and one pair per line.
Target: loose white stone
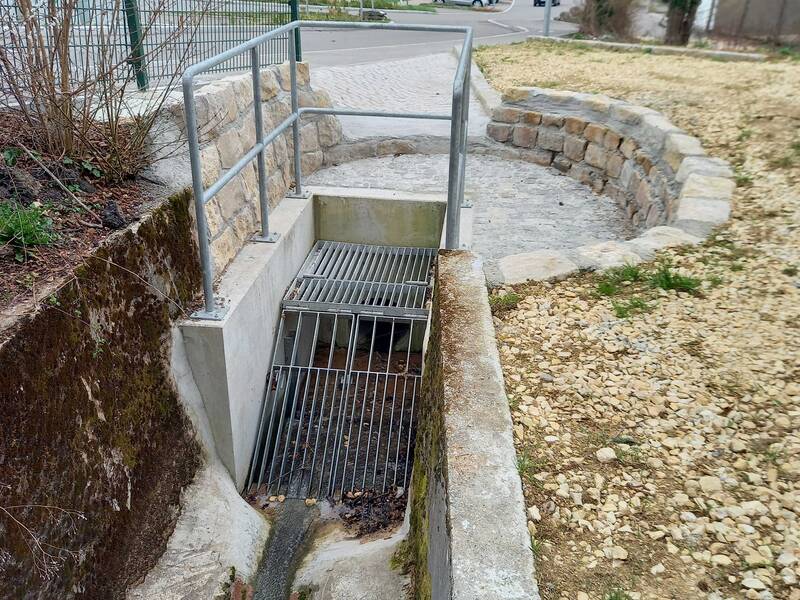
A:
x,y
606,455
534,514
751,583
710,484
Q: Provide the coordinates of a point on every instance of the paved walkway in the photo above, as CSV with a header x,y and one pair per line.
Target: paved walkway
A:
x,y
421,84
517,206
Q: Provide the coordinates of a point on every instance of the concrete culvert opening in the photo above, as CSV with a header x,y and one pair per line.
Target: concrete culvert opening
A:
x,y
338,420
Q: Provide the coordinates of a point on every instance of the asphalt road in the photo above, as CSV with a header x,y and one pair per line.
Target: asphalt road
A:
x,y
512,21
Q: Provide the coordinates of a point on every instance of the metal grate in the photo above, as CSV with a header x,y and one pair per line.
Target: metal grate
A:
x,y
359,278
339,406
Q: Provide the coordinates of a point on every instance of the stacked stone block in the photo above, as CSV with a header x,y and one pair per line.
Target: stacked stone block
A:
x,y
227,131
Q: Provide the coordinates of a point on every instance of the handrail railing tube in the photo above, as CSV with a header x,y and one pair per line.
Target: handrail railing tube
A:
x,y
263,197
352,112
458,135
298,186
197,189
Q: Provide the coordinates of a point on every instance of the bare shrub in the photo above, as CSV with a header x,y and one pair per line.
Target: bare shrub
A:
x,y
69,69
600,18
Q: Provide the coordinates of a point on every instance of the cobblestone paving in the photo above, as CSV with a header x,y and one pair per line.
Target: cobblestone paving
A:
x,y
421,84
518,206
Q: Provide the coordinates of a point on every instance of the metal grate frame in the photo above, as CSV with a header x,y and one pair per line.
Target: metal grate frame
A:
x,y
360,278
346,369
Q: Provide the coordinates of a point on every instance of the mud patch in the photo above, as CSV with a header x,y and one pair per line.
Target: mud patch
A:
x,y
368,512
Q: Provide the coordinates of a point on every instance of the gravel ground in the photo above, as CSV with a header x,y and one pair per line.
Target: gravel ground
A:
x,y
657,430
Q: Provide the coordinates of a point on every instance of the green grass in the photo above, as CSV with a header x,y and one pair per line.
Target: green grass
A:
x,y
667,279
528,466
791,270
784,162
21,227
607,288
536,547
635,305
631,456
502,302
626,273
616,594
743,178
378,5
609,284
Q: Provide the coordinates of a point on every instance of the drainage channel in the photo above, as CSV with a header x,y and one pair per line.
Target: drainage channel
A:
x,y
346,373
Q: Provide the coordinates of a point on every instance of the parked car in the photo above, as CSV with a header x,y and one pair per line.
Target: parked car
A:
x,y
468,2
542,2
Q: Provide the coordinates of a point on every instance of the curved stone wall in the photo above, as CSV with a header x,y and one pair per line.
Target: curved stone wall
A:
x,y
671,191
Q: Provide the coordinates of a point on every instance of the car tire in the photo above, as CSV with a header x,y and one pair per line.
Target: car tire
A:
x,y
477,3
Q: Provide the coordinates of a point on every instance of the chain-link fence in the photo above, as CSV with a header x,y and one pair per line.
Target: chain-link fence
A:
x,y
155,38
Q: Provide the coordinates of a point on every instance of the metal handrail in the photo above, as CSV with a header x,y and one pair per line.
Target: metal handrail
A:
x,y
458,136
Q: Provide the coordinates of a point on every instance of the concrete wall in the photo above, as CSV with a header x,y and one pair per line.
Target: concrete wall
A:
x,y
230,358
762,19
91,420
469,537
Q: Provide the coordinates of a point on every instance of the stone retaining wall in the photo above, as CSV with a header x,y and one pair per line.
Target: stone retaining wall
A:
x,y
227,131
658,173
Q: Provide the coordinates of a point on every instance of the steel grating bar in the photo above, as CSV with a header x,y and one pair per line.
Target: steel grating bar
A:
x,y
338,411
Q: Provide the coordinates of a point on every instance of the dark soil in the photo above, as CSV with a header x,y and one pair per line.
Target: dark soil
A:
x,y
371,511
33,272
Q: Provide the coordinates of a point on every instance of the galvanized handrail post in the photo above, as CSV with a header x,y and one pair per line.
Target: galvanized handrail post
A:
x,y
452,225
263,196
298,184
199,198
464,133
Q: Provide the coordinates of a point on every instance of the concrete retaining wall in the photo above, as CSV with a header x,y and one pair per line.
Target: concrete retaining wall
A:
x,y
230,358
671,191
469,538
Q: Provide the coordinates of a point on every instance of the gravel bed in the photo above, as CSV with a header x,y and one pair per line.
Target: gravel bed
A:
x,y
659,447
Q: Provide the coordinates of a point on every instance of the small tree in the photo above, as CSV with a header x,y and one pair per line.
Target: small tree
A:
x,y
680,19
68,74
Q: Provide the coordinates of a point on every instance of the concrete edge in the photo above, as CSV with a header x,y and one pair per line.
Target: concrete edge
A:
x,y
554,265
657,49
376,193
488,97
491,556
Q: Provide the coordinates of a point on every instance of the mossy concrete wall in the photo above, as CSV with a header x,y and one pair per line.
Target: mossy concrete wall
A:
x,y
90,420
468,537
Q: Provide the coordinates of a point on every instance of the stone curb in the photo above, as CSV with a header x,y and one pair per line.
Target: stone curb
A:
x,y
488,97
469,522
656,49
658,173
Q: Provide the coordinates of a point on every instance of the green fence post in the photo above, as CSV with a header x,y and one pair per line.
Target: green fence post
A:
x,y
137,49
295,7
